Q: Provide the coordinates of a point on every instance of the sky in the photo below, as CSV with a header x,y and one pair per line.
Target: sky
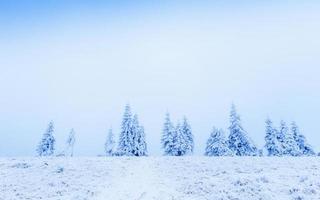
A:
x,y
78,63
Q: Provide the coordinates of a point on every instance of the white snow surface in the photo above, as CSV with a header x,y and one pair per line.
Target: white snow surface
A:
x,y
148,178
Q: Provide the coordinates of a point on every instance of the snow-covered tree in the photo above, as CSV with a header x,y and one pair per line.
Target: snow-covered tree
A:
x,y
290,145
126,136
217,145
180,142
286,143
139,140
239,142
280,141
143,150
270,139
70,143
169,136
109,145
132,137
304,148
46,146
187,136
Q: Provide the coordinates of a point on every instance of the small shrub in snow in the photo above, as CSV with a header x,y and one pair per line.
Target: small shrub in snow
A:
x,y
21,165
59,169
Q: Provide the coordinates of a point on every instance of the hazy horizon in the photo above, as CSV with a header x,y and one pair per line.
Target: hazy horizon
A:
x,y
78,63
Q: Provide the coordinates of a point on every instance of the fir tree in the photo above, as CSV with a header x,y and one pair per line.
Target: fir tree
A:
x,y
187,136
239,142
109,144
270,139
280,140
126,136
70,142
290,145
139,142
168,137
180,143
46,146
143,150
217,144
304,148
286,144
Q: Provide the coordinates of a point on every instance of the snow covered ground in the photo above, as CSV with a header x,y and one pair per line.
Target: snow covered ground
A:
x,y
100,178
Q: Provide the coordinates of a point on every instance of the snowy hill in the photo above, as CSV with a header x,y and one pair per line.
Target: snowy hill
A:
x,y
160,178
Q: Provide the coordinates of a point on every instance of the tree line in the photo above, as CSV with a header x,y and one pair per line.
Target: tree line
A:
x,y
178,140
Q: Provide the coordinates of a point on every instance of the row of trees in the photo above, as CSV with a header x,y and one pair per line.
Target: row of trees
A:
x,y
278,142
178,140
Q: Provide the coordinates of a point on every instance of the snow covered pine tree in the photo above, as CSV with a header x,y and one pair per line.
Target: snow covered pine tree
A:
x,y
217,144
169,136
139,140
179,142
109,144
188,136
46,145
126,136
70,143
239,142
304,148
290,146
271,139
132,137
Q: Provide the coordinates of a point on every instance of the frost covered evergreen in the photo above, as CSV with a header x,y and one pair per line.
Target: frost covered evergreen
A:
x,y
271,139
126,136
290,145
70,143
177,141
217,145
280,142
109,145
187,136
239,142
180,143
169,136
132,137
46,146
303,147
139,140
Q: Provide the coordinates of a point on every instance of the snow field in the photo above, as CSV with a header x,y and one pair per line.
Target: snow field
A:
x,y
160,178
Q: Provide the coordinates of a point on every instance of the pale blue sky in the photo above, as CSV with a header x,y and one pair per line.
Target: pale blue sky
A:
x,y
79,63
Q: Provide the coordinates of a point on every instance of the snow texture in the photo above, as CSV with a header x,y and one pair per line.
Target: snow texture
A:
x,y
160,178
